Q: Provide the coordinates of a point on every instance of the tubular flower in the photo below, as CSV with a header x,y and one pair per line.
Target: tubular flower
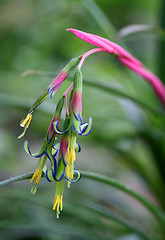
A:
x,y
48,149
75,110
125,58
58,171
50,91
75,125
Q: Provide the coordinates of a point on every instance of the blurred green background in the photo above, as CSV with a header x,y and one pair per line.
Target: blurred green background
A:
x,y
127,139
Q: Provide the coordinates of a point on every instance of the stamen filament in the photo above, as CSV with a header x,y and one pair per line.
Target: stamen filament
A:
x,y
66,94
58,204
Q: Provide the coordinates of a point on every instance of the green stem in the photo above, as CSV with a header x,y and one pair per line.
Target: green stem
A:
x,y
156,212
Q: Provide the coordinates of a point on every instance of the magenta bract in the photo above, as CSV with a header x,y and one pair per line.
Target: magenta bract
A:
x,y
125,58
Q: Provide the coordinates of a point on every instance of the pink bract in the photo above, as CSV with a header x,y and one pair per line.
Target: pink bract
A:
x,y
126,58
150,77
56,83
76,102
90,38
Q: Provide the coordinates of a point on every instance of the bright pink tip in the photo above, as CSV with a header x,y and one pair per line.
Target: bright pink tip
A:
x,y
126,58
56,83
87,37
76,102
108,45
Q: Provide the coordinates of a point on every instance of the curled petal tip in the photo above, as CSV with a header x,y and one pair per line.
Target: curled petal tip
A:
x,y
22,134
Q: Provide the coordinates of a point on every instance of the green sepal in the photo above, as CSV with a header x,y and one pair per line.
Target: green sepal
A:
x,y
39,100
71,64
70,97
59,107
88,129
76,125
78,81
60,169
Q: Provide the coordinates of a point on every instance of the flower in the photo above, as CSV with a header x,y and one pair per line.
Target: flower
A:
x,y
61,155
75,110
125,58
46,150
75,125
61,170
50,91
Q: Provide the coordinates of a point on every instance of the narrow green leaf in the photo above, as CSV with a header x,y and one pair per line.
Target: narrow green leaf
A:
x,y
100,18
159,215
116,218
139,28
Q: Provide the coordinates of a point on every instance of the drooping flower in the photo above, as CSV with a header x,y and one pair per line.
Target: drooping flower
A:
x,y
61,155
61,169
126,58
75,125
50,91
48,151
75,110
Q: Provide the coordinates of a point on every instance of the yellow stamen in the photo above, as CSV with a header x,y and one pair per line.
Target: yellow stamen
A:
x,y
54,203
68,157
26,121
58,203
67,171
35,175
61,204
39,176
72,155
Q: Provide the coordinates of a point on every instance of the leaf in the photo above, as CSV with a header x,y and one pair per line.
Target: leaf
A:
x,y
99,17
139,28
156,212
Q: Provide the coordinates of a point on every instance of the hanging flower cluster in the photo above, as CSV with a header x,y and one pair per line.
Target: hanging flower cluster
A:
x,y
62,154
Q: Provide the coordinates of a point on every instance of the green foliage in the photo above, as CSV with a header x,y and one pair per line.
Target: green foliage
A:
x,y
127,139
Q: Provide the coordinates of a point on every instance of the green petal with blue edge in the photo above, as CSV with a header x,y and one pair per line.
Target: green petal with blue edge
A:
x,y
76,125
86,127
77,147
56,146
52,159
38,154
76,179
57,130
49,174
55,149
